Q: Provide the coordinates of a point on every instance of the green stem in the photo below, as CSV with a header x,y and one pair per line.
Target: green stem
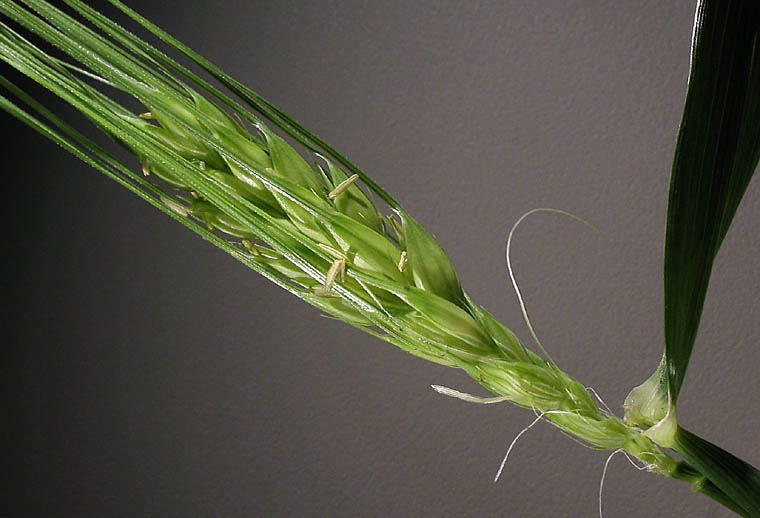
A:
x,y
700,484
735,478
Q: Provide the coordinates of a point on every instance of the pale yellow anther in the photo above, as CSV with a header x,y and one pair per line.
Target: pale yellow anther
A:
x,y
398,227
330,250
195,195
268,253
145,170
342,186
250,247
202,165
337,270
402,261
173,205
146,115
320,291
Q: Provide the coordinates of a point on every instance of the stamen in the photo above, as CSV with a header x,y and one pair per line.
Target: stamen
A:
x,y
402,261
509,450
337,268
330,250
173,205
512,274
464,396
604,474
250,247
146,115
597,396
397,227
266,253
342,186
607,464
145,170
320,291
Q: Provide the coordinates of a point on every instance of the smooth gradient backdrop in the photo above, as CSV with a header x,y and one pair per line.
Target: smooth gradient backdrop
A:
x,y
152,375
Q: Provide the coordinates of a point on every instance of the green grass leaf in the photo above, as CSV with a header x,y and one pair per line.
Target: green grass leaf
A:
x,y
736,478
716,154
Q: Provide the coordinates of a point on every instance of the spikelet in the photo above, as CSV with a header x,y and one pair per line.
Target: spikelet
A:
x,y
311,229
393,262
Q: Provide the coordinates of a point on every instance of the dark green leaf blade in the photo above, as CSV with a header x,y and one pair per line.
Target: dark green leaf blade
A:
x,y
716,154
737,479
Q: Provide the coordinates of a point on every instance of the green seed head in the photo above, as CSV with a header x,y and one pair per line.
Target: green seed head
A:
x,y
326,218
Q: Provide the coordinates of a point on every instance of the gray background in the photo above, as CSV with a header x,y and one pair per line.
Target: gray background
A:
x,y
152,375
